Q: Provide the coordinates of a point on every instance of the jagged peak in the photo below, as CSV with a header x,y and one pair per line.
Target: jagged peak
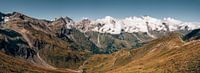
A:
x,y
129,24
59,19
64,19
109,17
17,14
106,18
67,19
85,19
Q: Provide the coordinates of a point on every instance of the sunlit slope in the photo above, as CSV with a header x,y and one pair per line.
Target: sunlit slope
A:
x,y
165,55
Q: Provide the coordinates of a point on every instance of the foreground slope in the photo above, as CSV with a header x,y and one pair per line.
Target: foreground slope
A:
x,y
9,64
167,54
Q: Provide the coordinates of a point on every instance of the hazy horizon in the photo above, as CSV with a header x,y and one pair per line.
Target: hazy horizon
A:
x,y
185,10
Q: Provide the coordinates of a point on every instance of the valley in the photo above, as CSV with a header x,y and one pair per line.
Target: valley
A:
x,y
108,45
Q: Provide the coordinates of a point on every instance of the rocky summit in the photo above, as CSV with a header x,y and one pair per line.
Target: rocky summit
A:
x,y
108,45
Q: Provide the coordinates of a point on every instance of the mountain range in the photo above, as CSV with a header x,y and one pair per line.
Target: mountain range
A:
x,y
134,44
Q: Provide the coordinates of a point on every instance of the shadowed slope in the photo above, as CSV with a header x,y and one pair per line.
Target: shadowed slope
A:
x,y
9,64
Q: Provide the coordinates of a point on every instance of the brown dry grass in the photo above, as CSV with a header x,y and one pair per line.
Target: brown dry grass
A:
x,y
9,64
164,55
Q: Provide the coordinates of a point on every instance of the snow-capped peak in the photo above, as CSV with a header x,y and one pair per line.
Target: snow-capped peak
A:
x,y
109,18
149,19
112,25
140,24
85,18
106,20
172,20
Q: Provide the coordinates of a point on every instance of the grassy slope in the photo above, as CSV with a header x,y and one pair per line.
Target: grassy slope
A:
x,y
9,64
167,54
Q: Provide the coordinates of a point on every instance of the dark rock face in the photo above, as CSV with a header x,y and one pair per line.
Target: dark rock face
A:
x,y
2,17
80,39
59,27
76,39
193,35
12,43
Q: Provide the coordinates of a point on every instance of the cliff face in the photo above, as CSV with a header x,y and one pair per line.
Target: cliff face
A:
x,y
12,43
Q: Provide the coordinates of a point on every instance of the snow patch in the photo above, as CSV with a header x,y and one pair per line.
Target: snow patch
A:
x,y
139,24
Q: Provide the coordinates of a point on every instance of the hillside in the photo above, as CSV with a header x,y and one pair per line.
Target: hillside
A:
x,y
164,55
135,44
9,64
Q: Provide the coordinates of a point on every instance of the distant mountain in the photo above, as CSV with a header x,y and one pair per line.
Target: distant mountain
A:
x,y
63,45
144,24
130,32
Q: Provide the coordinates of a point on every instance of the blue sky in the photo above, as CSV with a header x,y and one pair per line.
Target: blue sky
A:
x,y
186,10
